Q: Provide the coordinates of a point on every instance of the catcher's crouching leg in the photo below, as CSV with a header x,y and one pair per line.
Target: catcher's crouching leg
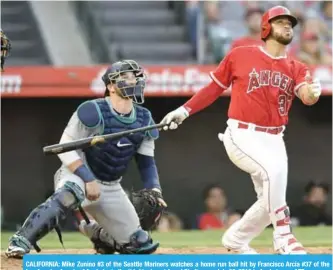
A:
x,y
44,219
149,211
103,243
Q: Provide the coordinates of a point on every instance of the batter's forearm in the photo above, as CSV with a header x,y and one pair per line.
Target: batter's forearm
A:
x,y
205,97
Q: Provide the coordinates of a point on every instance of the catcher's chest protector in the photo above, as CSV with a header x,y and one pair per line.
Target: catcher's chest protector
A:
x,y
109,160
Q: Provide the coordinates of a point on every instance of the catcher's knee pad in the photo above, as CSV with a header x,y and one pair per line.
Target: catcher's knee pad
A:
x,y
73,196
46,216
140,243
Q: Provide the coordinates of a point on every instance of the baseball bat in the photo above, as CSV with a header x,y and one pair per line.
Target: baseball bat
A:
x,y
90,141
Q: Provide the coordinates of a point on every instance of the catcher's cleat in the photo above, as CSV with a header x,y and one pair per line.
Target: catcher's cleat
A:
x,y
15,252
18,247
140,243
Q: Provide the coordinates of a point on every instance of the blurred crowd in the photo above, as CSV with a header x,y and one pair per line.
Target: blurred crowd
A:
x,y
228,24
218,215
312,210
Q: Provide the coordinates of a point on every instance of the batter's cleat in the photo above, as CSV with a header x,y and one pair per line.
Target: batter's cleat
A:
x,y
242,250
18,247
287,244
236,248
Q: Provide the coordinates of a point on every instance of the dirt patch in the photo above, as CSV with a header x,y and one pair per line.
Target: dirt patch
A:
x,y
14,264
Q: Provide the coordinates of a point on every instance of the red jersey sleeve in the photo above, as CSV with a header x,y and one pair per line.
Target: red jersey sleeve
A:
x,y
222,76
207,95
302,76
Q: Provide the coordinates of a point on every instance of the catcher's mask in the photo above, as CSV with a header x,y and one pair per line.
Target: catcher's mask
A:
x,y
129,79
5,48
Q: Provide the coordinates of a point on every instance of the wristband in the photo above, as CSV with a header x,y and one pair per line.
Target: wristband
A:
x,y
84,173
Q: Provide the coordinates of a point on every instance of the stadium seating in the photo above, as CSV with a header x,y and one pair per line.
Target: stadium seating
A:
x,y
19,24
143,30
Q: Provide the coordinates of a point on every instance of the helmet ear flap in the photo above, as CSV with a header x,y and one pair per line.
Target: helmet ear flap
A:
x,y
265,31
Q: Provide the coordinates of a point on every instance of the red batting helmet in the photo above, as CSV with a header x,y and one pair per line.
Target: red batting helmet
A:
x,y
271,14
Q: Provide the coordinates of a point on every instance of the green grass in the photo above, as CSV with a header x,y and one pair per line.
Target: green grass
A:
x,y
311,236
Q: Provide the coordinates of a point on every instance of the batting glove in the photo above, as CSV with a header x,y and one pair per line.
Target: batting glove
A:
x,y
315,88
175,118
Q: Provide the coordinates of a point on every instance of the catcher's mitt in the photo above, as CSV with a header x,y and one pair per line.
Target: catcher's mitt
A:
x,y
148,208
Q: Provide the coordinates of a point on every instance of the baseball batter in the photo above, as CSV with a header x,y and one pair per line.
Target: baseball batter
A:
x,y
92,177
265,81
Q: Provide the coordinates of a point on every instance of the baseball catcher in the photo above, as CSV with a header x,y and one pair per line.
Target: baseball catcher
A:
x,y
91,177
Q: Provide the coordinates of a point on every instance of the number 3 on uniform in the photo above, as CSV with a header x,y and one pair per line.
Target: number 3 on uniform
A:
x,y
283,104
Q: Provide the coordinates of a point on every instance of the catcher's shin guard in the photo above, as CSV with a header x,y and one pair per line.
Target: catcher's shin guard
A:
x,y
140,243
46,217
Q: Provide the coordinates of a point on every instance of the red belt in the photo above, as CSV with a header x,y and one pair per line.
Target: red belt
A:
x,y
270,130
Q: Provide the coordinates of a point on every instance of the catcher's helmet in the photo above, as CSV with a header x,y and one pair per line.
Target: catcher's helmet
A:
x,y
271,14
5,48
114,75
